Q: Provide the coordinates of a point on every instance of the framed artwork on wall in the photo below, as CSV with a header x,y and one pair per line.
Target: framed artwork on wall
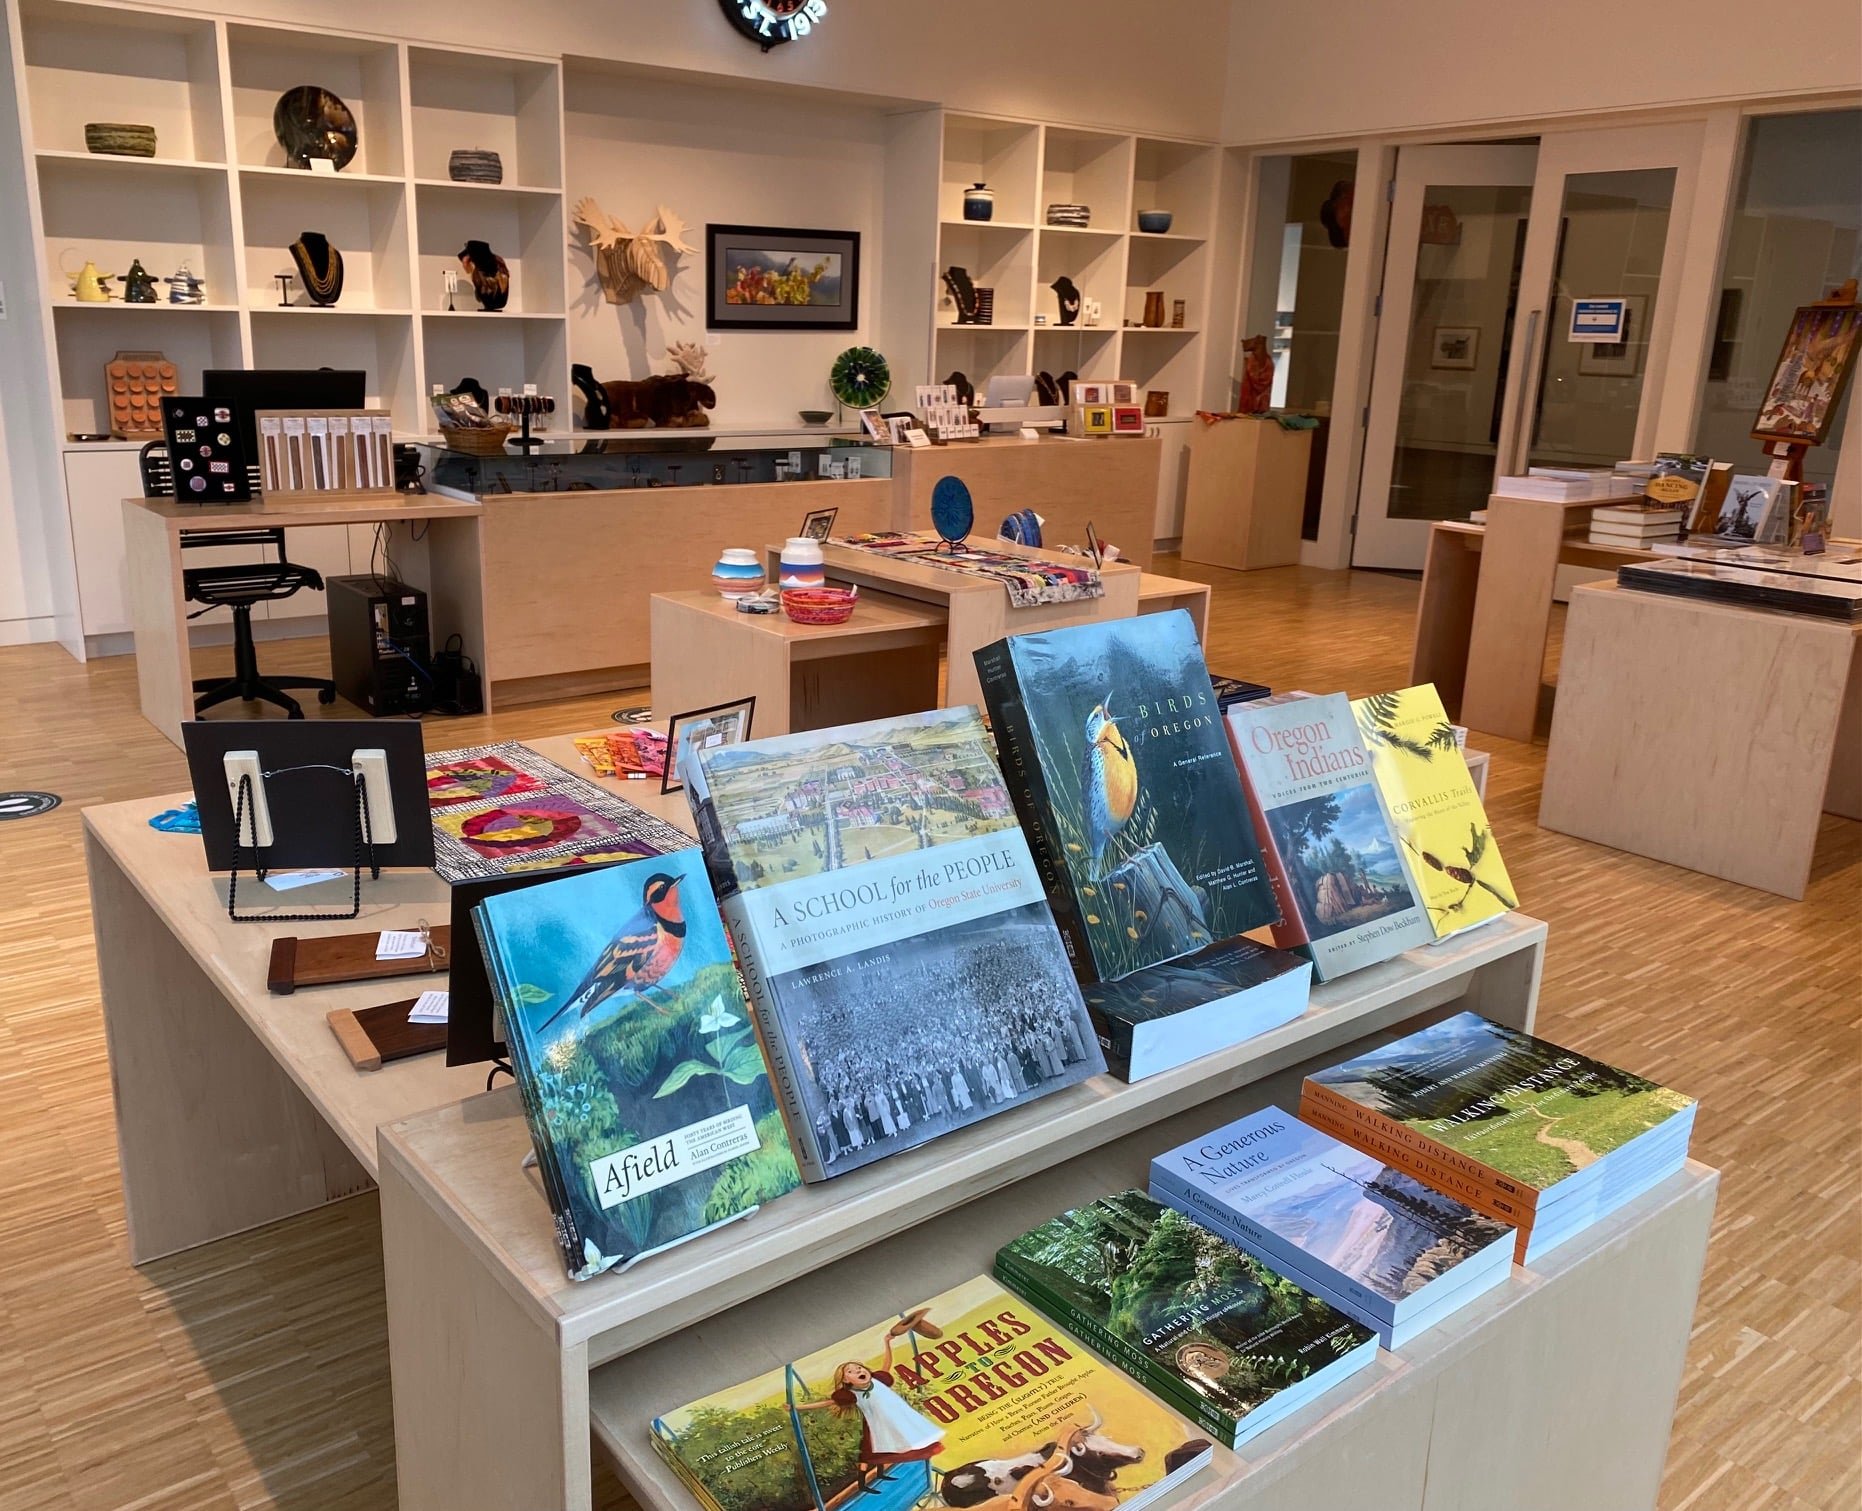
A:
x,y
1454,347
769,278
1619,359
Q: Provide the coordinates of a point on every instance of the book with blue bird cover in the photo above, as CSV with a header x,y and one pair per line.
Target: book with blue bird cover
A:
x,y
647,1095
1111,739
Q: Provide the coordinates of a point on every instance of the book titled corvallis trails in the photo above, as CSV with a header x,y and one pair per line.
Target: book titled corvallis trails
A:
x,y
1347,896
973,1399
897,950
1111,740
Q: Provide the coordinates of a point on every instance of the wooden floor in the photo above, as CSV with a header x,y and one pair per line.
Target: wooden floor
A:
x,y
254,1372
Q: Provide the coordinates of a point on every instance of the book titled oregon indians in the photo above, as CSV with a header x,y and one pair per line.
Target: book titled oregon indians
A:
x,y
898,952
1347,895
647,1097
1111,738
973,1399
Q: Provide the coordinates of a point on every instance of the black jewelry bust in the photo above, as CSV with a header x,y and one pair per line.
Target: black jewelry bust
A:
x,y
319,265
1068,295
491,278
957,280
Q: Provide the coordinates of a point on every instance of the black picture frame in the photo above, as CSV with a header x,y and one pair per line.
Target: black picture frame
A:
x,y
669,783
817,524
722,315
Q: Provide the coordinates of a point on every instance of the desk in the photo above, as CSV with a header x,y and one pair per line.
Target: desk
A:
x,y
450,569
1707,735
1486,604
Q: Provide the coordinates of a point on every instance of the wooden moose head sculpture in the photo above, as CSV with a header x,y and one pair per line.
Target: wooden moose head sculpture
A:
x,y
627,262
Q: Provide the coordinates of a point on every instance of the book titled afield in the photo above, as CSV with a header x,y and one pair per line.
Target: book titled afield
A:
x,y
897,948
1344,884
647,1097
1111,740
1228,1340
1434,808
968,1399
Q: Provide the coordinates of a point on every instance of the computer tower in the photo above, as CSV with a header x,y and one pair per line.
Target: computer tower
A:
x,y
380,649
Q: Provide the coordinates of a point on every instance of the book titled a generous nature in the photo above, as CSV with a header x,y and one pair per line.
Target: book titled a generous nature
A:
x,y
1166,1015
1372,1239
648,1099
896,944
958,1401
1347,897
1434,808
1539,1135
1229,1341
1111,740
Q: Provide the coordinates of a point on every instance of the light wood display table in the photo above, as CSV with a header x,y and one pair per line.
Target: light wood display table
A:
x,y
1708,735
450,570
1069,481
882,661
1486,605
1247,493
235,1107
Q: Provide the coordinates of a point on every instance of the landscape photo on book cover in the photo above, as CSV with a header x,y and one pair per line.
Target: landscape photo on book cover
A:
x,y
1176,986
1529,1109
1341,859
611,1061
1233,1330
956,1402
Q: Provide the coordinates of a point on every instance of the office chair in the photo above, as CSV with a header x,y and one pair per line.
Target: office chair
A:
x,y
237,586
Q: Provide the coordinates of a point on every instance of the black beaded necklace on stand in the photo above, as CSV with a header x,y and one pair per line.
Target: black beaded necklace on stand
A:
x,y
320,265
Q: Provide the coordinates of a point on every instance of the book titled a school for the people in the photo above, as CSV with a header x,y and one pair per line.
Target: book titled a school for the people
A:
x,y
958,1401
897,948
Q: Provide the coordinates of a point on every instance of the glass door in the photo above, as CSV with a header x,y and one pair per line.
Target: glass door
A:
x,y
1458,230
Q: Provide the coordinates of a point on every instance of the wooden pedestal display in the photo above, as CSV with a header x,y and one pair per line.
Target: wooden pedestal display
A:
x,y
1247,492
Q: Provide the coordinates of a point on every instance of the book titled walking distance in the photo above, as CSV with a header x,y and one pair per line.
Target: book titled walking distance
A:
x,y
1374,1241
972,1399
647,1097
1544,1137
1112,744
1347,896
1167,1015
1231,1342
897,950
1434,808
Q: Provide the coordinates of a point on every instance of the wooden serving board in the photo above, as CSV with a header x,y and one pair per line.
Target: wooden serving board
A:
x,y
372,1036
336,958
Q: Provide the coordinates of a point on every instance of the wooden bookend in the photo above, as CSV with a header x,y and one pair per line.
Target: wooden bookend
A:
x,y
339,958
373,1036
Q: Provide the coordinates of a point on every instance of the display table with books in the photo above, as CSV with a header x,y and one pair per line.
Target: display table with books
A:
x,y
1707,734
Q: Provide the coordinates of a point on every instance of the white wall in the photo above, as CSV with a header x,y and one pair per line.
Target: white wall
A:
x,y
1341,68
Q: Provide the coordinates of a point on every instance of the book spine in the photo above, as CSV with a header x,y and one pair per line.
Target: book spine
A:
x,y
1172,1389
1027,784
765,1016
1290,933
1265,1244
1453,1183
1115,1036
1419,1146
670,1454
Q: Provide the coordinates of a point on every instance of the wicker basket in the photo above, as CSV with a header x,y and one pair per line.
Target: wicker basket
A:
x,y
474,441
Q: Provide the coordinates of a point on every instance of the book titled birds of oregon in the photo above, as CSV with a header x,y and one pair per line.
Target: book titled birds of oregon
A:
x,y
1347,896
1112,742
972,1399
898,953
1434,808
1229,1341
648,1099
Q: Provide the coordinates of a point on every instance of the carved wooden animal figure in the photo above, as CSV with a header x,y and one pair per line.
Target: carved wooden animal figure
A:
x,y
664,402
691,360
627,262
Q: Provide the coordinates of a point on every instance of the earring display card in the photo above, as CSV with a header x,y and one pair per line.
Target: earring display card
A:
x,y
313,455
205,451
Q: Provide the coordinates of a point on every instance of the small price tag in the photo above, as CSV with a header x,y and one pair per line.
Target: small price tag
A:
x,y
429,1007
321,165
285,881
400,944
1029,433
917,438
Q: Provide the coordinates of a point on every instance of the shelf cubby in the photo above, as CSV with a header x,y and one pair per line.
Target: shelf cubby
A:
x,y
118,214
1090,352
367,223
499,354
981,352
996,257
511,106
380,344
1005,155
525,230
1091,168
1095,264
266,61
1179,177
1165,359
89,335
1173,267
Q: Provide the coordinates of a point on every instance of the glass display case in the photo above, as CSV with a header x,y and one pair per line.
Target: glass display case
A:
x,y
651,459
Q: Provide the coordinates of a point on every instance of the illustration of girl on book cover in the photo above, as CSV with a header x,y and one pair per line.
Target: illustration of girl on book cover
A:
x,y
891,1432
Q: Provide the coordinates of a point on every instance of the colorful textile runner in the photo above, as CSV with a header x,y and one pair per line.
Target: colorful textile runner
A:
x,y
1030,580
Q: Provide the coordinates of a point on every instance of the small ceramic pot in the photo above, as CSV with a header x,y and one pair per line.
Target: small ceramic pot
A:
x,y
802,564
821,605
979,202
475,165
739,573
1156,222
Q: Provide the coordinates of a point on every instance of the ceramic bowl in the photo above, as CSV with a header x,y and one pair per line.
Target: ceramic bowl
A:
x,y
1155,222
819,605
815,416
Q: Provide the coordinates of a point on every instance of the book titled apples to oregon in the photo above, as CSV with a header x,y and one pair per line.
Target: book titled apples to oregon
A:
x,y
973,1397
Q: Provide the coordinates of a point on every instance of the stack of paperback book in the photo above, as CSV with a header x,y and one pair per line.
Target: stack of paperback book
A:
x,y
1397,1253
1229,1341
1635,524
1541,1137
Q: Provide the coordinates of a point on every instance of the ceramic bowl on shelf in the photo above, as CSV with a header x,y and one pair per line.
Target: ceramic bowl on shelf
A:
x,y
1154,222
823,605
119,139
815,416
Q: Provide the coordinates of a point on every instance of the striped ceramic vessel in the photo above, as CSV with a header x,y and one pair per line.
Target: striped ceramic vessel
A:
x,y
739,573
802,563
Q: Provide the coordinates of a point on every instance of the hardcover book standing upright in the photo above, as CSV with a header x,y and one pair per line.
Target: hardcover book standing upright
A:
x,y
647,1096
1112,743
901,960
1347,897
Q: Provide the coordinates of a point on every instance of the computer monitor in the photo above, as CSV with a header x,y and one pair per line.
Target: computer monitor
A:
x,y
248,390
1016,391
